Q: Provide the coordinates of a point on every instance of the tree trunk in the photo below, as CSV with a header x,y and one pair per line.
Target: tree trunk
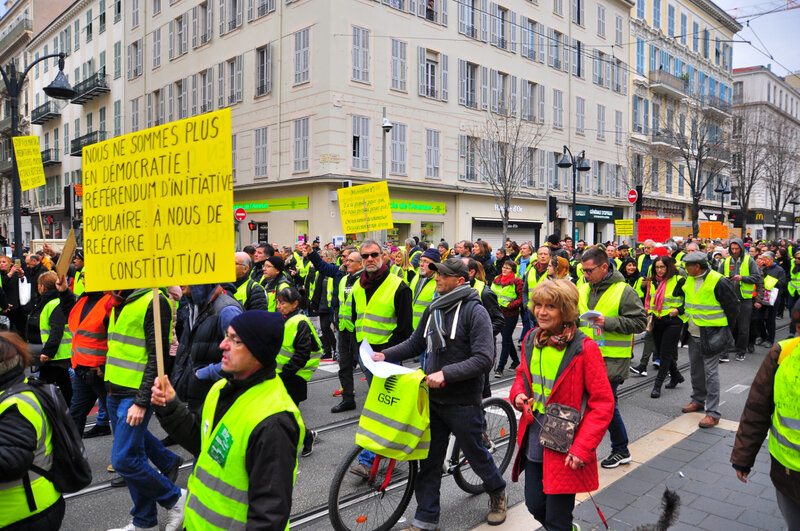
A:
x,y
696,216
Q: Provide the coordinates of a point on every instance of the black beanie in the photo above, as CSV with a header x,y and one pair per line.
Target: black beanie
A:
x,y
262,334
277,262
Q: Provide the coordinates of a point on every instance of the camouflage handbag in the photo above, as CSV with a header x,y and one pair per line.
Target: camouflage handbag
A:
x,y
559,427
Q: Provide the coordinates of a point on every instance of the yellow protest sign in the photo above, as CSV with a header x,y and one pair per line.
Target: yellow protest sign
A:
x,y
29,162
623,227
366,207
157,204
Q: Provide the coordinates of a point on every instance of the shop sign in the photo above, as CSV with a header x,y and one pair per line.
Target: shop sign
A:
x,y
597,213
418,207
273,205
512,209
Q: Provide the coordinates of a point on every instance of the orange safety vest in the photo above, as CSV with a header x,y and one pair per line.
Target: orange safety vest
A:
x,y
89,336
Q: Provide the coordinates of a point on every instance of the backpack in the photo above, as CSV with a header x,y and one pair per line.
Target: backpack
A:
x,y
70,471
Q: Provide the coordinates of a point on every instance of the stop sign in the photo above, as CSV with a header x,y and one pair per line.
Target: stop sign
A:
x,y
239,214
633,196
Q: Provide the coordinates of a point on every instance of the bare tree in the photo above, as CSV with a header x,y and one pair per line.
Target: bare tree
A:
x,y
780,168
748,155
698,141
505,148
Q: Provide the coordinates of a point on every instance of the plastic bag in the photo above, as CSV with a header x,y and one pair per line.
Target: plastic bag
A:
x,y
24,291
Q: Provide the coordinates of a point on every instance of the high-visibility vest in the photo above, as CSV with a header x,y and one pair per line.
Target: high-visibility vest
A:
x,y
769,282
243,291
479,287
670,301
272,302
301,266
701,305
13,500
127,346
617,345
79,284
422,298
287,348
531,282
89,335
505,294
784,432
794,281
579,275
618,262
414,254
637,287
679,257
395,421
520,273
397,271
376,321
345,306
544,370
64,350
745,288
218,487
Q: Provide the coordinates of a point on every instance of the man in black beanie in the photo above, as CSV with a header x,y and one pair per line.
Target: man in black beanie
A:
x,y
248,424
554,244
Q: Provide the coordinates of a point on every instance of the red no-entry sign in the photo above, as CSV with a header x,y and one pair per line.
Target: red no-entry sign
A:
x,y
239,214
633,196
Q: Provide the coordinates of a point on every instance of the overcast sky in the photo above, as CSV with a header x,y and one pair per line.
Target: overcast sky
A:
x,y
775,31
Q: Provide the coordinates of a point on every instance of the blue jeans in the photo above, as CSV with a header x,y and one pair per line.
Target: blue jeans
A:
x,y
132,447
466,423
509,349
84,395
527,324
616,430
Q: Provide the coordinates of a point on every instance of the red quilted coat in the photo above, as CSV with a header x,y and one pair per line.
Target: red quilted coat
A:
x,y
582,374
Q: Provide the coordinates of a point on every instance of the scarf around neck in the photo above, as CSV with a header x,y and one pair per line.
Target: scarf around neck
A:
x,y
370,280
559,341
661,292
440,305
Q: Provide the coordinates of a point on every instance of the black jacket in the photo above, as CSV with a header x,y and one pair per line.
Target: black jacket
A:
x,y
304,344
256,296
270,457
17,434
465,360
58,322
33,277
141,395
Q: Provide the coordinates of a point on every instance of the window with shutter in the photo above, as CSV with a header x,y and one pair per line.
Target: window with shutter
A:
x,y
301,56
261,153
398,149
432,153
194,94
360,54
360,159
399,65
301,141
263,70
157,48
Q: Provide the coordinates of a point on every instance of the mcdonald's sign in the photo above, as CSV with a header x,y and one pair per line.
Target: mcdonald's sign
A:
x,y
759,216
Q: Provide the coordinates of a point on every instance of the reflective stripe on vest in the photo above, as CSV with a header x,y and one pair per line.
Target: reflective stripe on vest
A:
x,y
794,281
744,270
376,321
243,291
422,297
346,305
218,492
505,294
702,306
784,432
272,301
287,348
64,346
13,501
616,345
301,266
89,335
395,422
542,382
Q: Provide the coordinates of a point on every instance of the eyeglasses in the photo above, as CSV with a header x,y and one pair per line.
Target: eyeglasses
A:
x,y
589,270
234,341
367,255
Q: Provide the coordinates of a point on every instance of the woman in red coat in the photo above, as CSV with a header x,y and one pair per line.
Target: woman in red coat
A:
x,y
557,354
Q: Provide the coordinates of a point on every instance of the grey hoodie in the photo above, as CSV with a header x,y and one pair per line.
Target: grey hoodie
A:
x,y
736,264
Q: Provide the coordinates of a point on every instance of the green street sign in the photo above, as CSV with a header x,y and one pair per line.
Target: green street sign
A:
x,y
274,205
418,207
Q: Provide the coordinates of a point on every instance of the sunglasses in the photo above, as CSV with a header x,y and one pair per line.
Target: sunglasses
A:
x,y
368,255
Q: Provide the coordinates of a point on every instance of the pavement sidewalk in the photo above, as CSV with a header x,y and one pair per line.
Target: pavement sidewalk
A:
x,y
692,461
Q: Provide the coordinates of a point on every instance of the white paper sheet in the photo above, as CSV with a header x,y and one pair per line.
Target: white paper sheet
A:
x,y
381,369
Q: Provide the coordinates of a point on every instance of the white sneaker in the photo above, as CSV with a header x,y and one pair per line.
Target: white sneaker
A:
x,y
131,527
175,515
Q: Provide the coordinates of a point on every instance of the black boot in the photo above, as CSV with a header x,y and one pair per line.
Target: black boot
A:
x,y
656,392
673,382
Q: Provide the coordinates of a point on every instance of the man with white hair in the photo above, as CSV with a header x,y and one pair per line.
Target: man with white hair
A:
x,y
644,261
246,290
414,252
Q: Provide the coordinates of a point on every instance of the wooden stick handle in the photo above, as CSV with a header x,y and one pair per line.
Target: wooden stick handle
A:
x,y
159,342
41,223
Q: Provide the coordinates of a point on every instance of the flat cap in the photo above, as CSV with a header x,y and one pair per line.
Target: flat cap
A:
x,y
452,267
696,257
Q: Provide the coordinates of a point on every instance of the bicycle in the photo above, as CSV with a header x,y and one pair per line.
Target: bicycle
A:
x,y
378,503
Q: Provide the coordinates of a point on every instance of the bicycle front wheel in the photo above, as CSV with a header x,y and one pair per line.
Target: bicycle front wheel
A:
x,y
356,503
499,438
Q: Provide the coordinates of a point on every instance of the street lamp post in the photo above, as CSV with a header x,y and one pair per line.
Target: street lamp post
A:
x,y
723,189
386,125
58,89
794,202
577,165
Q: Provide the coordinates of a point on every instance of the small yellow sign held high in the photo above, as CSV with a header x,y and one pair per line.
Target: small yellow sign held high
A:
x,y
623,227
365,208
29,162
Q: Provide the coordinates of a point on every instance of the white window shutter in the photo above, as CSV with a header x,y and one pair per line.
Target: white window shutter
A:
x,y
171,103
421,69
412,6
222,27
462,17
185,35
526,101
485,20
445,81
171,33
523,37
421,8
268,75
462,157
209,89
484,88
444,13
542,42
210,22
513,32
565,54
194,27
194,94
494,22
139,56
130,63
495,89
250,16
462,82
239,9
149,109
512,105
239,75
221,85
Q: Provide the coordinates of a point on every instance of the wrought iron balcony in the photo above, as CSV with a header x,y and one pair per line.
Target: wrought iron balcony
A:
x,y
91,87
50,157
716,103
44,113
23,27
77,145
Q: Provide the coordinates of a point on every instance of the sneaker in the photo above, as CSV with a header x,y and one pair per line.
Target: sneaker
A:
x,y
616,459
751,349
308,444
327,356
498,505
338,392
739,357
131,527
723,358
641,370
498,374
117,482
514,365
97,431
657,364
345,405
110,469
175,514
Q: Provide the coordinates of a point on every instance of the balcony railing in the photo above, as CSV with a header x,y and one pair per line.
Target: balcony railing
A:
x,y
50,157
671,85
5,164
44,113
91,87
77,145
720,153
716,103
663,137
24,25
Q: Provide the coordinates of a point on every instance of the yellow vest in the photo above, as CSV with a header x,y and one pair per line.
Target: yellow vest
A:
x,y
422,299
744,270
784,433
702,306
616,345
287,348
377,320
530,279
670,301
65,346
544,370
505,294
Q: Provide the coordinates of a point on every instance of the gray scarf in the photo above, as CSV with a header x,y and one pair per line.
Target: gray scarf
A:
x,y
440,305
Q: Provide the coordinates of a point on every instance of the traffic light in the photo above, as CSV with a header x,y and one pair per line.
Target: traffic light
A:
x,y
735,218
639,199
49,220
251,225
552,208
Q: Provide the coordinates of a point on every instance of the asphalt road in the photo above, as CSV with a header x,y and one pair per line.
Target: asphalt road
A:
x,y
100,507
